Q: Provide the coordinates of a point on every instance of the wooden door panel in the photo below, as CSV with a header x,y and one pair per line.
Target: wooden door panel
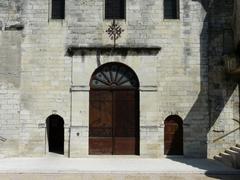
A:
x,y
114,126
125,145
101,116
100,127
170,133
124,114
125,122
99,146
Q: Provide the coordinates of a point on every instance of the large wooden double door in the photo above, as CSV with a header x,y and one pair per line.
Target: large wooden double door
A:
x,y
114,122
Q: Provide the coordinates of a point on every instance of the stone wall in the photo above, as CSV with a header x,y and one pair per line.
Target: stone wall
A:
x,y
173,81
45,77
236,22
10,60
223,90
10,13
36,78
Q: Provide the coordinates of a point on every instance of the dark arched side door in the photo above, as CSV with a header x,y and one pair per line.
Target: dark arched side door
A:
x,y
114,111
55,134
173,136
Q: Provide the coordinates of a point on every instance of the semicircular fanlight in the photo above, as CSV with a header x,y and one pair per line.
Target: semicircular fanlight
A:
x,y
114,75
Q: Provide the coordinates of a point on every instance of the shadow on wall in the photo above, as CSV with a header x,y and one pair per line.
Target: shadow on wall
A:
x,y
216,89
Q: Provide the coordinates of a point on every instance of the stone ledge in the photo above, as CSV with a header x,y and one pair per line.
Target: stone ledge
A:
x,y
111,50
76,88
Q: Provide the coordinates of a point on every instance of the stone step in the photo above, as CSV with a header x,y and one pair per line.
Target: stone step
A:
x,y
232,152
227,159
231,157
235,148
226,155
235,157
223,160
218,158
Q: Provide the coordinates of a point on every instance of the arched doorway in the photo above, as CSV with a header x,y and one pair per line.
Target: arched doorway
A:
x,y
173,135
55,134
114,111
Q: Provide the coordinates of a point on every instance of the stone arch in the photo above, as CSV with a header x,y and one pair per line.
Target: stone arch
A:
x,y
114,75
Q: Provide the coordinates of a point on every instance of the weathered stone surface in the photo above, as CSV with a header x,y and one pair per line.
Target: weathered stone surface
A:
x,y
236,22
223,91
185,77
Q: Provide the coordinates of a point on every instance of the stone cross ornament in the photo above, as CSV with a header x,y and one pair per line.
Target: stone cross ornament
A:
x,y
114,31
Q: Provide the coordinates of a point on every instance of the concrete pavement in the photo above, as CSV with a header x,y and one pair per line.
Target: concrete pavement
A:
x,y
113,168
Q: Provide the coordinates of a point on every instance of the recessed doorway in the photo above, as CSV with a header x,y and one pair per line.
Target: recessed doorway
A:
x,y
114,111
173,135
55,134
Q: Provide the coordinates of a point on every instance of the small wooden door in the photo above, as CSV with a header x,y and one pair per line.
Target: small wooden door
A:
x,y
173,136
55,132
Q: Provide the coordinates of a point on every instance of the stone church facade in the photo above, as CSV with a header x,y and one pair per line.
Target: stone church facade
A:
x,y
63,76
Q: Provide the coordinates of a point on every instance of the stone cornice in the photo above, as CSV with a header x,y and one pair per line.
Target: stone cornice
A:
x,y
110,50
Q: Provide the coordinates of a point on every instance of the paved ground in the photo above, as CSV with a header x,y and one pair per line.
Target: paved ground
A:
x,y
109,168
